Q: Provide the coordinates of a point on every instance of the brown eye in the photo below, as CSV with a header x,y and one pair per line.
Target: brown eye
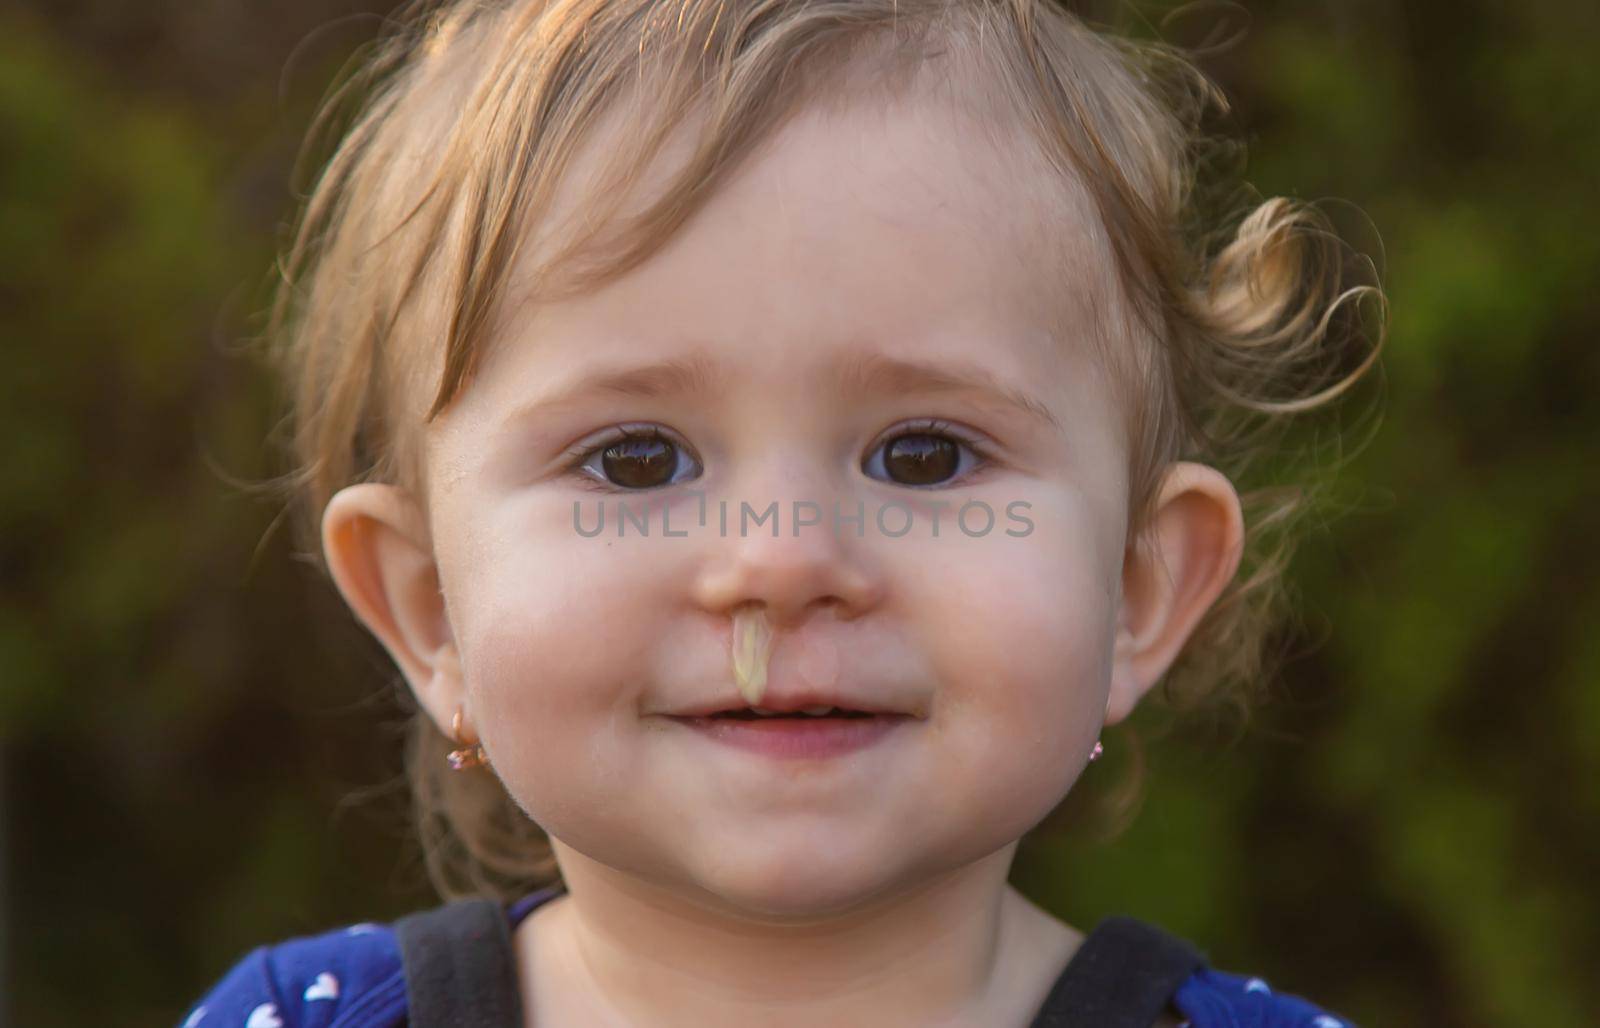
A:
x,y
643,460
921,458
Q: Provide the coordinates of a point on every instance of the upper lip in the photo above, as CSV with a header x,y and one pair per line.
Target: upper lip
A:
x,y
787,703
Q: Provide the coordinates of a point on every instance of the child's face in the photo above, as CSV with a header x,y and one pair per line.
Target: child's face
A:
x,y
876,235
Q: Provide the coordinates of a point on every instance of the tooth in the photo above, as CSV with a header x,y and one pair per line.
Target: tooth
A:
x,y
816,711
752,645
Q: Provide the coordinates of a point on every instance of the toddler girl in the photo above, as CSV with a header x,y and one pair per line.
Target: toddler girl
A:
x,y
772,439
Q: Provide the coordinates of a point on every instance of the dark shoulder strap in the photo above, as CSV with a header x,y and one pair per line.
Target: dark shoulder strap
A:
x,y
1121,977
459,967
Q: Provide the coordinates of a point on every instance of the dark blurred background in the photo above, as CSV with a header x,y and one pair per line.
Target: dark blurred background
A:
x,y
201,751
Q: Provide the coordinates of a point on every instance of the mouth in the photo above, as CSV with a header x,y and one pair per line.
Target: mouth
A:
x,y
794,706
819,712
796,734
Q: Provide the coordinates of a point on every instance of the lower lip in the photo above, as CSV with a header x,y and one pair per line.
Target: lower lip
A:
x,y
806,738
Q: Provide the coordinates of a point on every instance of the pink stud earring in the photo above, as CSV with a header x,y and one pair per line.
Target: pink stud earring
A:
x,y
1098,749
466,755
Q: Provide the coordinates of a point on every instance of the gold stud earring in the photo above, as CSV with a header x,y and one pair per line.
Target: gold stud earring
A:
x,y
467,754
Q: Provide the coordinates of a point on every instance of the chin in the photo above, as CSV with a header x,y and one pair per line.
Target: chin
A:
x,y
796,891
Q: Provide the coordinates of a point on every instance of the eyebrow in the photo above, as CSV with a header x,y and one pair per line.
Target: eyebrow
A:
x,y
877,373
698,375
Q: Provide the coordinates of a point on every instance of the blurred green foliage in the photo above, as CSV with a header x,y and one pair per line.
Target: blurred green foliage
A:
x,y
1407,835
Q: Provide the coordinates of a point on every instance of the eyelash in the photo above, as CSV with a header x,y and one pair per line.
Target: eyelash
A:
x,y
579,456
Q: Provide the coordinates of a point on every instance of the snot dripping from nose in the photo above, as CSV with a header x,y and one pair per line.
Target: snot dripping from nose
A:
x,y
752,646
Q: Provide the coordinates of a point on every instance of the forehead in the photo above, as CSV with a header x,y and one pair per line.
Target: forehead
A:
x,y
917,223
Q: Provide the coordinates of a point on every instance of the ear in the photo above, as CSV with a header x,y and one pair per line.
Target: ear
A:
x,y
377,545
1171,577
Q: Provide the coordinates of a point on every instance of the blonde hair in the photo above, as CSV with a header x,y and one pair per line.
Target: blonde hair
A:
x,y
465,115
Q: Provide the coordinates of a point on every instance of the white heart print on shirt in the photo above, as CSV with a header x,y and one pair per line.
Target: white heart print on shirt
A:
x,y
264,1016
325,987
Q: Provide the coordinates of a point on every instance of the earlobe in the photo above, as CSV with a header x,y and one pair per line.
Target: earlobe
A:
x,y
1172,576
376,543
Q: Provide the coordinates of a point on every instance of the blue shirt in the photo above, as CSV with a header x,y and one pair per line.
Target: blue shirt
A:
x,y
352,977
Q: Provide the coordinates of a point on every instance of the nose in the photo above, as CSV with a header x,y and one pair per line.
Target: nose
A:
x,y
793,574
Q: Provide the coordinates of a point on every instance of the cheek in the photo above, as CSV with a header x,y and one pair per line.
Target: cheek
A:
x,y
1027,646
553,637
1027,621
1021,630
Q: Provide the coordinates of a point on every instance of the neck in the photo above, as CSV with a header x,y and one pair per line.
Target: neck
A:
x,y
963,948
